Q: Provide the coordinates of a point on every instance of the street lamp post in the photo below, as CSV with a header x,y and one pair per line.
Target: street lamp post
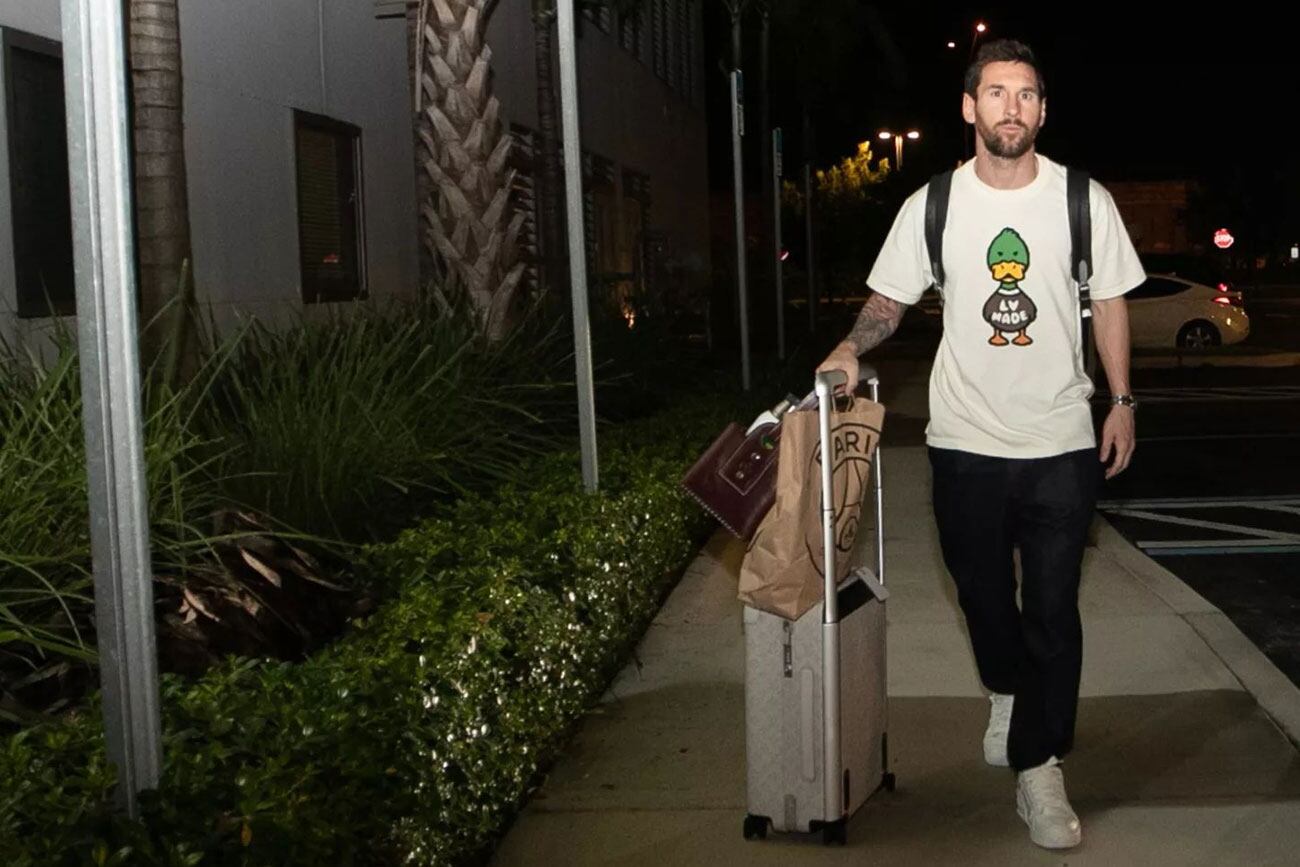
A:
x,y
737,9
980,29
968,141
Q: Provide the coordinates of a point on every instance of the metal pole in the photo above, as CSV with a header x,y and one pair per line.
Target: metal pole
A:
x,y
832,783
765,85
873,379
95,67
776,243
577,243
765,125
808,228
737,159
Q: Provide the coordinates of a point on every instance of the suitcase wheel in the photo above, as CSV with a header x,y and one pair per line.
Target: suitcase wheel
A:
x,y
890,783
835,833
755,827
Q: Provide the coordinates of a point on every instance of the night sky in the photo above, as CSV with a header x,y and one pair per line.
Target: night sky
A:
x,y
1131,95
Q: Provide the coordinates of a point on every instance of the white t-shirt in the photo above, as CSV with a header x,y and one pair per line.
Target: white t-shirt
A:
x,y
1008,379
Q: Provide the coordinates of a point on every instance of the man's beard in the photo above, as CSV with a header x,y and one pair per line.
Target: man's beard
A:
x,y
1004,149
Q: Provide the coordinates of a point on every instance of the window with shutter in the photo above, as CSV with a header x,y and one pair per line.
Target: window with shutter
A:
x,y
629,27
686,48
523,159
660,38
329,209
672,43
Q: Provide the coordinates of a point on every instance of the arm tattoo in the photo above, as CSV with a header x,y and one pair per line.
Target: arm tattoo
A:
x,y
879,319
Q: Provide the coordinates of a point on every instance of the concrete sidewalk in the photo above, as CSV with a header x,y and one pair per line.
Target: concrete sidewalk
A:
x,y
1182,755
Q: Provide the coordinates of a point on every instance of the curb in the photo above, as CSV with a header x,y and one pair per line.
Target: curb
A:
x,y
1273,359
1274,691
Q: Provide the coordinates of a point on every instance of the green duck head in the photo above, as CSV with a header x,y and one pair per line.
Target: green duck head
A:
x,y
1008,257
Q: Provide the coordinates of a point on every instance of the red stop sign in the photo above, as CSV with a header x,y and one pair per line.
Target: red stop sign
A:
x,y
1223,239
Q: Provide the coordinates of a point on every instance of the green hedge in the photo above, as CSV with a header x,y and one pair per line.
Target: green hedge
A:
x,y
415,738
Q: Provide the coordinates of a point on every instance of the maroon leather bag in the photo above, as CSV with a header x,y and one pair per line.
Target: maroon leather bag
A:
x,y
735,478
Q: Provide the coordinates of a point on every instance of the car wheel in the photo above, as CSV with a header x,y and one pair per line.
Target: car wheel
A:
x,y
1198,335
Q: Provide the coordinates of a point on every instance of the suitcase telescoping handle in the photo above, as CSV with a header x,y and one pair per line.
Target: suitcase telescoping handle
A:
x,y
832,782
836,378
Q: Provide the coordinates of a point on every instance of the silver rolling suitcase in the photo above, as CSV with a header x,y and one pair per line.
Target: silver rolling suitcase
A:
x,y
815,701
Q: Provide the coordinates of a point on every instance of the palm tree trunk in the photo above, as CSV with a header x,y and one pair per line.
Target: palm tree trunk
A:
x,y
467,224
162,201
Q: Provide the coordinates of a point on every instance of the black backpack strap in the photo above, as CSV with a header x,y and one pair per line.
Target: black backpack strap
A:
x,y
1077,184
936,216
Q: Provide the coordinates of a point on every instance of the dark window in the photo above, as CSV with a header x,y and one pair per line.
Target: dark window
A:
x,y
1158,287
329,209
597,205
38,176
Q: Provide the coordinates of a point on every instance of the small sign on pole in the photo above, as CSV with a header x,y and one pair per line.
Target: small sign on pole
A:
x,y
740,103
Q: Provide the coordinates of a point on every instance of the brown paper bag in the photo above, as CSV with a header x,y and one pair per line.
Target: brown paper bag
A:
x,y
782,572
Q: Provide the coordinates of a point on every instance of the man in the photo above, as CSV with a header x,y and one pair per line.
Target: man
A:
x,y
1012,448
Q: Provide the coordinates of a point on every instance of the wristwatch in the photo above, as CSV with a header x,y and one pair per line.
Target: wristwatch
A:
x,y
1123,400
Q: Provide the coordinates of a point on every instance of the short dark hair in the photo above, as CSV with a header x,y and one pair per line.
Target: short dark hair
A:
x,y
1002,51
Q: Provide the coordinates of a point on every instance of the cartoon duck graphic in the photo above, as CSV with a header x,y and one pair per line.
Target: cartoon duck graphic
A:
x,y
1009,310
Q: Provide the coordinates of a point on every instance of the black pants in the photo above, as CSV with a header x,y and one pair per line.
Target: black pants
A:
x,y
985,507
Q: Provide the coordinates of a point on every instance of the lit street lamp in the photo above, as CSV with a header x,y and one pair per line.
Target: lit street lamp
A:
x,y
980,29
911,135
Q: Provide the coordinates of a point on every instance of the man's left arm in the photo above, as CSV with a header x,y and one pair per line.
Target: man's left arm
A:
x,y
1110,331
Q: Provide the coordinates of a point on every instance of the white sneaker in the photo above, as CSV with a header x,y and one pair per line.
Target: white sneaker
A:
x,y
1041,802
995,736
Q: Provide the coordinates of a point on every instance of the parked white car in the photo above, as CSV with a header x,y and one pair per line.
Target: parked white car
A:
x,y
1168,311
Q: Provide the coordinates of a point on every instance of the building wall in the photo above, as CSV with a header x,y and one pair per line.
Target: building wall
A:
x,y
1155,213
248,64
642,119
